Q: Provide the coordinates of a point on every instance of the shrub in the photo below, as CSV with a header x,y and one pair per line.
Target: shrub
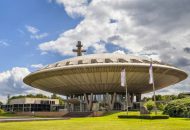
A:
x,y
149,105
178,108
144,116
1,111
160,106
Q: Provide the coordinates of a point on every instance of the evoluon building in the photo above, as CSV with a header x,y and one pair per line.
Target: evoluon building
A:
x,y
92,82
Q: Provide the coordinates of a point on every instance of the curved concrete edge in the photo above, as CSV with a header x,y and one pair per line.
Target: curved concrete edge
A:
x,y
27,80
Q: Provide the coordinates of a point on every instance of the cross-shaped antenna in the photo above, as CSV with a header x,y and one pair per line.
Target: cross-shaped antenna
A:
x,y
79,49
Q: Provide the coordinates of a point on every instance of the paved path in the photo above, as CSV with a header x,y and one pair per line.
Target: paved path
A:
x,y
29,119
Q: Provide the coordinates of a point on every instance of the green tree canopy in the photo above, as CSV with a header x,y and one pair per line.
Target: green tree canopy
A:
x,y
178,108
54,96
29,96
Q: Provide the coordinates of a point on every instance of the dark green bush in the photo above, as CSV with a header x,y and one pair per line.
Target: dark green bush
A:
x,y
178,108
144,116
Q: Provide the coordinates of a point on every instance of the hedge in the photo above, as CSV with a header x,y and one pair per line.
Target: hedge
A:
x,y
178,108
144,116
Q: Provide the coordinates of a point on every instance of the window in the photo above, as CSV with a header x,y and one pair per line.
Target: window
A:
x,y
135,61
122,60
146,61
108,61
94,61
80,62
69,63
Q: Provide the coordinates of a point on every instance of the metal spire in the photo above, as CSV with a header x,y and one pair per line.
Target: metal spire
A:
x,y
79,49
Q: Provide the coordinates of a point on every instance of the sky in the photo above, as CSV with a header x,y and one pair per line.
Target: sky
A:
x,y
39,32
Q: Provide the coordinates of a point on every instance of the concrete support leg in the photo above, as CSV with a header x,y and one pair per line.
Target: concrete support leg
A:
x,y
110,100
113,101
66,105
88,101
132,99
72,107
81,106
138,97
23,108
128,103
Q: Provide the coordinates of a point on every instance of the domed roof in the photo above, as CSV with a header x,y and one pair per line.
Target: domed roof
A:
x,y
101,58
100,73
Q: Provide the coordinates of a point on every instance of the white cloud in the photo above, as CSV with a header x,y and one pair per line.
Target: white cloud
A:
x,y
11,82
99,48
96,27
74,8
38,66
142,27
4,43
130,29
43,53
32,29
35,32
39,36
119,52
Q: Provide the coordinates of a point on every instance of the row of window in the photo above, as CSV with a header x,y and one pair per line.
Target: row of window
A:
x,y
107,60
47,102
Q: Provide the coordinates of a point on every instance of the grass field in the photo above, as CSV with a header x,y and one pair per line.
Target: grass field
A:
x,y
9,115
108,122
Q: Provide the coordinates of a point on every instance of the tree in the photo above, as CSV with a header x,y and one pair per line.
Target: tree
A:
x,y
54,96
159,98
149,105
2,111
181,95
1,103
41,96
8,98
28,96
178,108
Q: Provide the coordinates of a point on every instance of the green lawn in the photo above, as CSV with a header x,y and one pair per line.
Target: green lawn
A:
x,y
108,122
9,115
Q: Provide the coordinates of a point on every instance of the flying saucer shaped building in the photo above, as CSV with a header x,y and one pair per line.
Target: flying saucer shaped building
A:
x,y
93,80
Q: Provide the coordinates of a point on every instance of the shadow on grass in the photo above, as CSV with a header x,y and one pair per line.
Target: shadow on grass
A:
x,y
7,114
111,113
187,119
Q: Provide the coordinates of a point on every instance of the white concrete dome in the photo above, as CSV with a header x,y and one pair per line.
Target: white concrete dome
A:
x,y
100,73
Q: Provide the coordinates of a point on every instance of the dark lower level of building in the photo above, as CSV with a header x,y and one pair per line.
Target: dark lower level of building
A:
x,y
85,102
30,107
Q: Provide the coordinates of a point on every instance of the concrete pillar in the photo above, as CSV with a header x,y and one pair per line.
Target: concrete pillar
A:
x,y
23,108
66,105
30,108
88,101
138,97
132,99
72,107
128,103
113,100
110,100
81,106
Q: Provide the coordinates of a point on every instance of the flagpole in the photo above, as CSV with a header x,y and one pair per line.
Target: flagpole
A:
x,y
126,96
154,93
124,84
